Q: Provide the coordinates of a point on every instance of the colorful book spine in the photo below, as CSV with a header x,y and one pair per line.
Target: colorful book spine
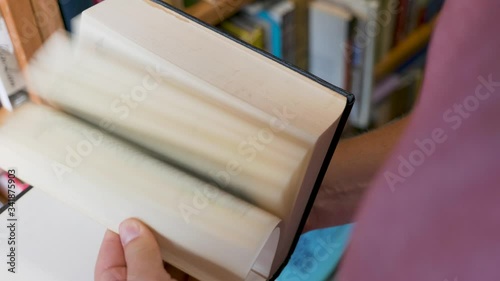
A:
x,y
245,29
277,19
289,47
11,79
400,28
329,26
301,34
73,8
274,33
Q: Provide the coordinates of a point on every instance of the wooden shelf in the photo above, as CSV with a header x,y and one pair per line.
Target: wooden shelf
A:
x,y
215,11
404,50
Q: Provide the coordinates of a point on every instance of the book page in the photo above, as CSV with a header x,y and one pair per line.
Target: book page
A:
x,y
110,180
209,132
47,232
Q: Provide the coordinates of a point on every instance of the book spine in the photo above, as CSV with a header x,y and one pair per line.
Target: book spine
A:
x,y
23,30
301,36
357,62
275,44
73,8
288,36
369,64
231,27
328,43
48,17
235,28
386,36
399,32
11,80
348,54
259,36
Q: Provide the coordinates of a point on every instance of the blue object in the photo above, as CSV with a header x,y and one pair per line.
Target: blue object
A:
x,y
276,43
71,9
317,254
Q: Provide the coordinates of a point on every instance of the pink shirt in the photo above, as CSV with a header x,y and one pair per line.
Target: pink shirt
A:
x,y
433,212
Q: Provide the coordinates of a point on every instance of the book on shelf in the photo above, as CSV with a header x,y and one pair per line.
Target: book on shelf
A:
x,y
397,96
386,20
246,29
12,84
301,30
219,148
71,9
329,41
409,16
277,18
342,49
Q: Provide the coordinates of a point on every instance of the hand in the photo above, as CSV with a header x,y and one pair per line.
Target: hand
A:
x,y
134,255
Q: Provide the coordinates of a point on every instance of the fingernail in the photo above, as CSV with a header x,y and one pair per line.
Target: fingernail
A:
x,y
129,230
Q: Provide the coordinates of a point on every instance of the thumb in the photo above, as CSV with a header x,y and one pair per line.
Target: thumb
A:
x,y
142,253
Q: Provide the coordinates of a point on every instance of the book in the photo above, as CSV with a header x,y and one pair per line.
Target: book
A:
x,y
277,18
11,79
401,22
213,12
246,29
329,27
404,89
363,44
286,14
254,10
404,51
301,33
387,16
71,9
48,17
219,149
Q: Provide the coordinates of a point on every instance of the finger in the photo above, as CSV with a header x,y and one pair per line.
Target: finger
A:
x,y
110,264
142,252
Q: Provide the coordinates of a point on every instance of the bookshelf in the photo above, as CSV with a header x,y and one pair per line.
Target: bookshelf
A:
x,y
215,11
415,42
285,29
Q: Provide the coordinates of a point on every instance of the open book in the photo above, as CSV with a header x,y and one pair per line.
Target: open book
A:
x,y
148,113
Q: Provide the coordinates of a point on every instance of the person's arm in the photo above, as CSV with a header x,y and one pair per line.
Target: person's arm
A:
x,y
354,164
432,211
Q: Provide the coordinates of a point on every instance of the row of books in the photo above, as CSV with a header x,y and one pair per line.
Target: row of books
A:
x,y
339,41
24,26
